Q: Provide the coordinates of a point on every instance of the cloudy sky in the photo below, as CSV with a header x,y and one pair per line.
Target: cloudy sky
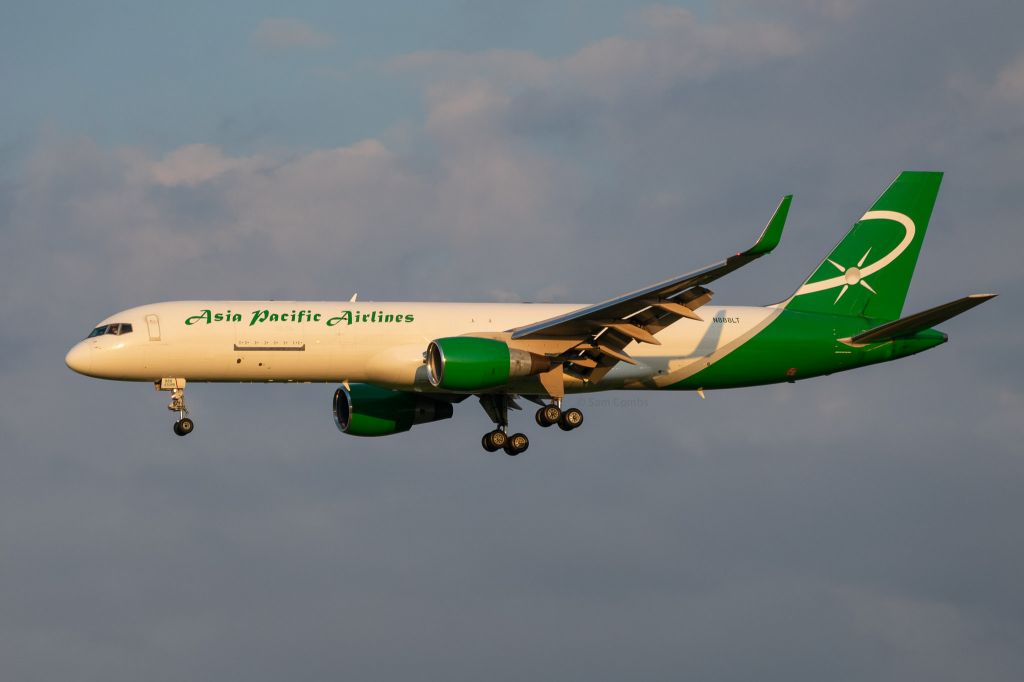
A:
x,y
858,527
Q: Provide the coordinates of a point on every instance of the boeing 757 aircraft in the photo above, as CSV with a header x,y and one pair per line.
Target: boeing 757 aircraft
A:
x,y
403,364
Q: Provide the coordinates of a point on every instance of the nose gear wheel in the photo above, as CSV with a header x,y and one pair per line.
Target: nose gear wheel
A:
x,y
183,426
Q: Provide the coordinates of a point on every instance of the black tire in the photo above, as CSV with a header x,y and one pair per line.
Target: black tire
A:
x,y
177,429
486,442
571,419
541,417
184,426
497,439
551,414
517,443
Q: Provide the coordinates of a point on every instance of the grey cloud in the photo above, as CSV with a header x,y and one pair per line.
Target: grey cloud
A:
x,y
287,33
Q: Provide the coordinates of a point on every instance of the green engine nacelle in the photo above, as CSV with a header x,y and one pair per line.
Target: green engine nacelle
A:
x,y
365,410
472,363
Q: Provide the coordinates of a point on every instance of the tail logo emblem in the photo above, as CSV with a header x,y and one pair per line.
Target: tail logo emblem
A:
x,y
855,275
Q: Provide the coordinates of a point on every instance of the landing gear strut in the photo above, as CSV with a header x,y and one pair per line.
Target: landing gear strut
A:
x,y
496,406
183,426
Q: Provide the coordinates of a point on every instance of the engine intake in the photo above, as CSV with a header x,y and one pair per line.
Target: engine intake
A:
x,y
470,363
365,410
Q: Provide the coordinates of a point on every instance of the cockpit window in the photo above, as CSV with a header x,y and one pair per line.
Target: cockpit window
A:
x,y
116,329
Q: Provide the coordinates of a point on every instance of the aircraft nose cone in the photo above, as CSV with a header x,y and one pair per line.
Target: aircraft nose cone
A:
x,y
79,358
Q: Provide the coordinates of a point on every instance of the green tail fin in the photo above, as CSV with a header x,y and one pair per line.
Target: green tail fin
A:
x,y
868,272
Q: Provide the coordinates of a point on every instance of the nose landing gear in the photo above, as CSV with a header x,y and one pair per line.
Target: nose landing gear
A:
x,y
183,426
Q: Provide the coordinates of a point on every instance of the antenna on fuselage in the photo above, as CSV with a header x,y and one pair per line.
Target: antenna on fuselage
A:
x,y
354,296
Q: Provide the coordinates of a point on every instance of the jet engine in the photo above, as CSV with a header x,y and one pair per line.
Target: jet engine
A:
x,y
470,363
365,410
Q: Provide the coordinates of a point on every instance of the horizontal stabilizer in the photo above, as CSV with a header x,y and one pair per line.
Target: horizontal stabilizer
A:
x,y
917,322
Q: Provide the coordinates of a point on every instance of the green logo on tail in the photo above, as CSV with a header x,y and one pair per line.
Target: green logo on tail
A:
x,y
853,280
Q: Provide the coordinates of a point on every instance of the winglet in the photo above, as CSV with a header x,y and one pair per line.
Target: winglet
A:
x,y
772,234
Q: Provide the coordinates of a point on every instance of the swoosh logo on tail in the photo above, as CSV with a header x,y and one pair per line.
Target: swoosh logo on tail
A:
x,y
881,263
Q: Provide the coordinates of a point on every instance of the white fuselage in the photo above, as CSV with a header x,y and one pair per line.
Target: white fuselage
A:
x,y
379,343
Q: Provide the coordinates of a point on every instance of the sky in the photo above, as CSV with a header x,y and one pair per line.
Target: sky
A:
x,y
863,526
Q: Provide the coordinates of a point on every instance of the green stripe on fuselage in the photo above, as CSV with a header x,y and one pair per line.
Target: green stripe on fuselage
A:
x,y
799,345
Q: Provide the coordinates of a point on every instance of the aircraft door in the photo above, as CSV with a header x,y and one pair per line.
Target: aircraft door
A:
x,y
153,324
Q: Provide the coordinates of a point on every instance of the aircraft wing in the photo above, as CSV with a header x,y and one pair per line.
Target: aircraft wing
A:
x,y
605,329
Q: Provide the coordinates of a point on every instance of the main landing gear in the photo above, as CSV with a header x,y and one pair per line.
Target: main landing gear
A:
x,y
549,415
183,426
497,406
499,440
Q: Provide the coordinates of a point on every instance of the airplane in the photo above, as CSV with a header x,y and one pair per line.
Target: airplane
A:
x,y
404,364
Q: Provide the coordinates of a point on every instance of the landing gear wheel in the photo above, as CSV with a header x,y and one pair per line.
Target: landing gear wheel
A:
x,y
548,415
184,426
495,440
517,442
571,419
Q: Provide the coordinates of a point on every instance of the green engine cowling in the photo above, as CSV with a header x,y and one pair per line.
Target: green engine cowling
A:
x,y
471,363
365,410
